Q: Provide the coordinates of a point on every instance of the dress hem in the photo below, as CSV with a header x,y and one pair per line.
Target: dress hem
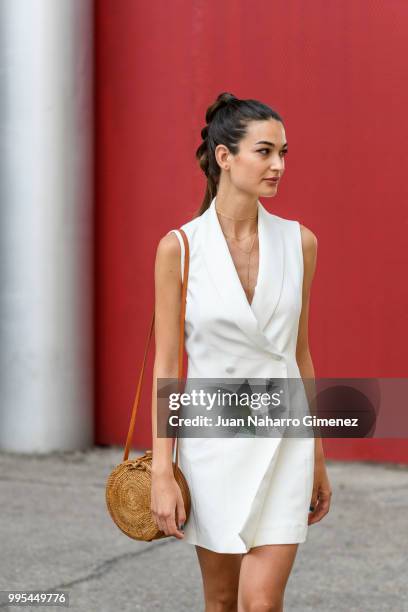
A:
x,y
285,534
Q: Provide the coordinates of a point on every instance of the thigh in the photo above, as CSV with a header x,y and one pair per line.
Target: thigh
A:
x,y
220,574
264,573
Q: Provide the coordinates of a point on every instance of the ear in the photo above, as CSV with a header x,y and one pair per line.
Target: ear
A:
x,y
222,155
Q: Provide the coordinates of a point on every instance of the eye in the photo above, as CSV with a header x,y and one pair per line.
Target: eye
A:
x,y
267,151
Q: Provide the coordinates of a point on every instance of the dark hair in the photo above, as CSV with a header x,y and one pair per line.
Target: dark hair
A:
x,y
227,119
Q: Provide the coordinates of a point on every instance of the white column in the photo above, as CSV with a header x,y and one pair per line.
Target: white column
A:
x,y
46,225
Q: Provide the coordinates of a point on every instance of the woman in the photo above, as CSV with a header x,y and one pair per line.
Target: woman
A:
x,y
246,315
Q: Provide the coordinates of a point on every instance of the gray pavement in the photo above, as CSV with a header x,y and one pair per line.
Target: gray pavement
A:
x,y
56,533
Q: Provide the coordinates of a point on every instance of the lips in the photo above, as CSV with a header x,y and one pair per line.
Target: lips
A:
x,y
272,180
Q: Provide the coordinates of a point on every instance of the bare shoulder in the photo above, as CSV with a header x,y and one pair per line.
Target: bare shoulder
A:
x,y
309,247
168,247
309,239
168,257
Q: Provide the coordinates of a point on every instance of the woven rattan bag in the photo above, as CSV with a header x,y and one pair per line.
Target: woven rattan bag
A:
x,y
128,487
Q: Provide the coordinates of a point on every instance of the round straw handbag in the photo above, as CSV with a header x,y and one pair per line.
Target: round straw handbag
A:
x,y
128,487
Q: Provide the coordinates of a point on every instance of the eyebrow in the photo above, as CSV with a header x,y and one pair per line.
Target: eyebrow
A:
x,y
285,146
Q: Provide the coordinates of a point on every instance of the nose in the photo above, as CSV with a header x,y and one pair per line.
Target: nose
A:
x,y
277,163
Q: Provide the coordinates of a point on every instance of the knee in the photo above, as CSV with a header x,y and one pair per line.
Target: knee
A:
x,y
264,605
223,601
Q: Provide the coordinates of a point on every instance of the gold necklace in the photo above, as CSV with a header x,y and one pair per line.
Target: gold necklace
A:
x,y
249,260
237,239
234,218
252,245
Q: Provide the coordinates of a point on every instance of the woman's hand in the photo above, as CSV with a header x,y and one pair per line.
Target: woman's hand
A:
x,y
167,504
322,492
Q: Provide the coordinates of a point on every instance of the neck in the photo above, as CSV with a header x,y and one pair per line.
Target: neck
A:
x,y
237,218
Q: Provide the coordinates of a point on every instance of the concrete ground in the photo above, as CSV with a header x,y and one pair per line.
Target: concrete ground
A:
x,y
56,533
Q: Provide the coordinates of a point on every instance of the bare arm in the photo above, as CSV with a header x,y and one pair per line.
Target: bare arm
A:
x,y
166,495
321,494
303,356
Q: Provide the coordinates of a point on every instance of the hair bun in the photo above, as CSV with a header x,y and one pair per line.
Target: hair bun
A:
x,y
204,132
221,102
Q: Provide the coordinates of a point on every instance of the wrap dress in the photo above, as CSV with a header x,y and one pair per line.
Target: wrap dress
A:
x,y
246,491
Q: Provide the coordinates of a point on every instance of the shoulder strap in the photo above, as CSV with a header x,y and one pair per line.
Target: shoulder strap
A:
x,y
180,352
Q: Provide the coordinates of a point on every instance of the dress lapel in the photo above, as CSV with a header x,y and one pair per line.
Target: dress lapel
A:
x,y
251,318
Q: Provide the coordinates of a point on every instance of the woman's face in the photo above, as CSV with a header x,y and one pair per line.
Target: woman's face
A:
x,y
261,156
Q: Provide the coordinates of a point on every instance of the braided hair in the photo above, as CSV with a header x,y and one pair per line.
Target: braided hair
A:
x,y
227,120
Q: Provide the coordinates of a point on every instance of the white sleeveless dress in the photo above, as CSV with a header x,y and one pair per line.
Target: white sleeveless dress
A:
x,y
245,492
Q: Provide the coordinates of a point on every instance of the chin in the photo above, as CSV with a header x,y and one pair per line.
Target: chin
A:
x,y
269,194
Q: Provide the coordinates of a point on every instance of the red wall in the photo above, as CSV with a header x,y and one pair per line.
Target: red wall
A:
x,y
336,72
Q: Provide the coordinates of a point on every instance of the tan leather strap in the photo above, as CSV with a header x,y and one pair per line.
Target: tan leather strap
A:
x,y
180,352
